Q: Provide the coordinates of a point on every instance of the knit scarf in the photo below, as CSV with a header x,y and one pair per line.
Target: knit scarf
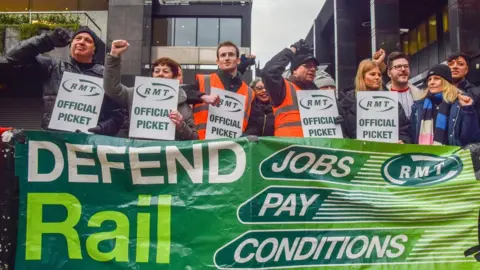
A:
x,y
434,131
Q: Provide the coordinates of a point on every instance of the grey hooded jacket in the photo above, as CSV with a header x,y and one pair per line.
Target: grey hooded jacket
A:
x,y
124,96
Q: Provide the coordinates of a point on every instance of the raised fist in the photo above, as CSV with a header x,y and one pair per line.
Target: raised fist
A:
x,y
60,37
119,47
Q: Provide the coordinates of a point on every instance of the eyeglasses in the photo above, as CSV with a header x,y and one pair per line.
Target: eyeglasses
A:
x,y
399,67
259,88
307,66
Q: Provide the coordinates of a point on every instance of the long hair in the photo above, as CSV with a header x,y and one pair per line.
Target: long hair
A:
x,y
364,67
254,82
449,91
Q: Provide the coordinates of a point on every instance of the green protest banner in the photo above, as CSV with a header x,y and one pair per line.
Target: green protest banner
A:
x,y
95,202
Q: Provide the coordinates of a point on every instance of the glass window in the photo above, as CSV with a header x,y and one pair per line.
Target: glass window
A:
x,y
54,5
404,41
445,19
231,30
432,29
207,32
185,32
162,32
93,5
13,5
422,36
412,41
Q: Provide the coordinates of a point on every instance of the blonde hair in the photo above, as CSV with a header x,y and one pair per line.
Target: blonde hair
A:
x,y
364,67
449,91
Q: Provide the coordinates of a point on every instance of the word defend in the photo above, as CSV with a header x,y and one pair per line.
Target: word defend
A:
x,y
226,119
78,104
153,101
377,116
318,110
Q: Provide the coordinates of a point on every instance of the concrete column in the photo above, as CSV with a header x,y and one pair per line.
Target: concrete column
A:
x,y
464,20
127,20
385,25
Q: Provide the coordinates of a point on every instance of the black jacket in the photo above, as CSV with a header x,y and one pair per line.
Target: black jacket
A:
x,y
348,109
262,122
28,52
273,79
473,92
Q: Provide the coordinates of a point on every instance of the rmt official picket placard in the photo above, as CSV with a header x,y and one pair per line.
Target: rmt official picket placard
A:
x,y
377,116
153,100
78,104
318,110
226,119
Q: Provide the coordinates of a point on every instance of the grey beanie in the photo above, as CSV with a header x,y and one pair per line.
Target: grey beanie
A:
x,y
323,79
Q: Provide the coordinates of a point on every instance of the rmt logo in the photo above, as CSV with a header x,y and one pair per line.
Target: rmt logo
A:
x,y
230,104
377,104
156,91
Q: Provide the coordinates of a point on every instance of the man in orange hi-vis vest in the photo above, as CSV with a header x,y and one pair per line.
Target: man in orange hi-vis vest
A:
x,y
225,78
303,66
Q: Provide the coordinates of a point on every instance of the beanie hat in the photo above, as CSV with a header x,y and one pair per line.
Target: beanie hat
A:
x,y
91,33
323,79
299,59
440,70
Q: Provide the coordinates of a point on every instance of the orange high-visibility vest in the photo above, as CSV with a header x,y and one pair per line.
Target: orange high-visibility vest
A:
x,y
200,111
287,116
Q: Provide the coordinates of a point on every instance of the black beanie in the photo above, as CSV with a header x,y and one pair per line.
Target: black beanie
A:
x,y
440,70
91,33
299,59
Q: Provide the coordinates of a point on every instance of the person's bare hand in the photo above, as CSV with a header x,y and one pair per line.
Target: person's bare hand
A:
x,y
119,47
211,99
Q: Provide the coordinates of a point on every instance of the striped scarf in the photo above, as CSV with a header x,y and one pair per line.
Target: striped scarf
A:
x,y
431,134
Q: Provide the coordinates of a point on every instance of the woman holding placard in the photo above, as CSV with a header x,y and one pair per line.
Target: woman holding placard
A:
x,y
165,68
368,78
444,116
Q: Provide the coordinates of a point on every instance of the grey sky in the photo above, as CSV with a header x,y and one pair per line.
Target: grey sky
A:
x,y
276,24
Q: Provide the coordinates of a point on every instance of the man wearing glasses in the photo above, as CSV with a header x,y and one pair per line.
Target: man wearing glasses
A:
x,y
303,66
398,70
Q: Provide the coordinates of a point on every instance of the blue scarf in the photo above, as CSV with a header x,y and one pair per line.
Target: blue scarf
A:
x,y
429,133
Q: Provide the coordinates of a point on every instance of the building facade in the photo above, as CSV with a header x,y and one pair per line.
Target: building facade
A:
x,y
20,93
187,31
348,31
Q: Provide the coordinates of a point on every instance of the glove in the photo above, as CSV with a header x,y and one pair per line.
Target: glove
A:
x,y
59,37
305,48
339,120
95,130
247,60
298,45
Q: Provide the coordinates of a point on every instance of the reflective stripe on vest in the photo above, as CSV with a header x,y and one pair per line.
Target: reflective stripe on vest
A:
x,y
287,115
200,111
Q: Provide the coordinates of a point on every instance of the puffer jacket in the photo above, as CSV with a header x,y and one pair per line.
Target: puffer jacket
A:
x,y
348,109
124,97
463,127
262,122
28,52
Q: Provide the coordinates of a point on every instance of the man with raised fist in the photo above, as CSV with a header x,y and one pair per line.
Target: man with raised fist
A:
x,y
83,46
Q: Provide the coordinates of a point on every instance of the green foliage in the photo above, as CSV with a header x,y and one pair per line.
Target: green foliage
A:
x,y
40,22
54,18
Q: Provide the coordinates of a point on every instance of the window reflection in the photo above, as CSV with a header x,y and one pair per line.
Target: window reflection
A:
x,y
231,30
208,29
185,31
432,29
412,41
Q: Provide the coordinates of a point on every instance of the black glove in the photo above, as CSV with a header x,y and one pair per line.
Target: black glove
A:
x,y
339,120
95,130
305,48
247,61
298,45
59,37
